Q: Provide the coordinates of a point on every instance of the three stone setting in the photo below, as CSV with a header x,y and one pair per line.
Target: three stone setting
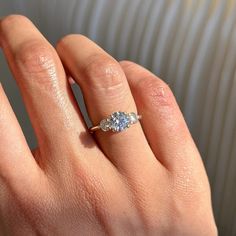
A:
x,y
119,121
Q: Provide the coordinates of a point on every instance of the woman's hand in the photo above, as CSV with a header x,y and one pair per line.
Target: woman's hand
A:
x,y
147,180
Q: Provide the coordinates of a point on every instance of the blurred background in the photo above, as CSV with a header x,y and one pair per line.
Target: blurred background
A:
x,y
191,44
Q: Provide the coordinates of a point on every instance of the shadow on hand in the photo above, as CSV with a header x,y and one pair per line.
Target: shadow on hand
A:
x,y
87,141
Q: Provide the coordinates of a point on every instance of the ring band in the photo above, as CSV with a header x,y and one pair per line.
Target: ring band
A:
x,y
118,121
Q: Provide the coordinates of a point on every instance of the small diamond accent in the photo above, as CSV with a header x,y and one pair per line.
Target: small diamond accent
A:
x,y
133,118
105,125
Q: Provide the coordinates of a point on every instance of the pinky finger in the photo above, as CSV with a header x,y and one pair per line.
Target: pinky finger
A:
x,y
164,125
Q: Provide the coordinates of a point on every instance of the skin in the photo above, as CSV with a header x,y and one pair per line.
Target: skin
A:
x,y
147,180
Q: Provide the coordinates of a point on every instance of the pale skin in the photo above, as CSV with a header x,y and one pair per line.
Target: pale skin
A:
x,y
147,180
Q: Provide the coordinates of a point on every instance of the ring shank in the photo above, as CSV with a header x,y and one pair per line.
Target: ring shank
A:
x,y
94,128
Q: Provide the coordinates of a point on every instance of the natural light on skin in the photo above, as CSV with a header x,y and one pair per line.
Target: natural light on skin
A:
x,y
144,178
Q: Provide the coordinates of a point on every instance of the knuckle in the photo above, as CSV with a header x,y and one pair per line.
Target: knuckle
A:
x,y
103,72
36,59
157,92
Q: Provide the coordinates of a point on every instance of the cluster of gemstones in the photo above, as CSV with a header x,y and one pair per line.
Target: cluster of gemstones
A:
x,y
119,121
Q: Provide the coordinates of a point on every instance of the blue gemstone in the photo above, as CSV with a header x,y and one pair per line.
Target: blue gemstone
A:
x,y
119,121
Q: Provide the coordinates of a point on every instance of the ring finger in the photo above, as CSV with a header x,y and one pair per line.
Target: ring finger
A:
x,y
106,90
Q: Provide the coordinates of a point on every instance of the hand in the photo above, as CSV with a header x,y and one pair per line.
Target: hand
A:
x,y
147,180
